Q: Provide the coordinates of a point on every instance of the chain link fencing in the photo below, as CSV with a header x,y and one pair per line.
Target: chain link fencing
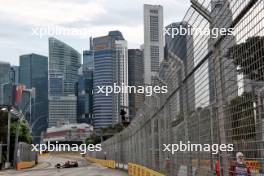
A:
x,y
215,96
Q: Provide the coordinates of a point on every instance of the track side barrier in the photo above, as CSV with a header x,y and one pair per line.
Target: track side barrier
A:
x,y
107,163
25,157
138,170
133,169
25,164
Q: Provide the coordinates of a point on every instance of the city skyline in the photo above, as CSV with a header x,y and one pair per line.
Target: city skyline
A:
x,y
154,94
16,34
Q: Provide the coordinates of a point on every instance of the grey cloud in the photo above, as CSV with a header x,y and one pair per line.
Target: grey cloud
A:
x,y
117,13
130,13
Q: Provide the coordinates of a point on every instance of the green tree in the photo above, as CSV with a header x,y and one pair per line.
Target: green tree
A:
x,y
93,139
24,132
113,129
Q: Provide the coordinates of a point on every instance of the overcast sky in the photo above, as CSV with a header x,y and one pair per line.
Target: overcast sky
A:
x,y
18,18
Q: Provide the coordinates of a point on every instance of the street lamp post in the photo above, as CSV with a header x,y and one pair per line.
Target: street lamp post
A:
x,y
20,118
16,143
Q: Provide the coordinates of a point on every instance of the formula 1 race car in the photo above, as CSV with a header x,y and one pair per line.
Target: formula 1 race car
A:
x,y
67,164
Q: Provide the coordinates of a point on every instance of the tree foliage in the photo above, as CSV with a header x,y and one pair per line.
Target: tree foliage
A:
x,y
93,139
24,132
113,129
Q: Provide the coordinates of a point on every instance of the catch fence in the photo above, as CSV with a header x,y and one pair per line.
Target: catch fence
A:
x,y
215,96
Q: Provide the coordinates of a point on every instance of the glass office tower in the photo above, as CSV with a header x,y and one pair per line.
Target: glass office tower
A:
x,y
110,66
85,97
33,73
4,78
64,62
88,60
135,78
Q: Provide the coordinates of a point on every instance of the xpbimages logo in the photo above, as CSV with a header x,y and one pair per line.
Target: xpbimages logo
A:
x,y
57,147
189,147
183,30
147,90
54,30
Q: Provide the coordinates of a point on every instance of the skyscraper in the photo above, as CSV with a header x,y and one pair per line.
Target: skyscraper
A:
x,y
64,62
180,47
55,82
85,97
88,61
8,93
121,73
15,74
153,41
222,17
62,109
110,66
4,78
85,87
135,78
33,73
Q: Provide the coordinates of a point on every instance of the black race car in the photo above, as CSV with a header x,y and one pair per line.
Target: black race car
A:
x,y
67,164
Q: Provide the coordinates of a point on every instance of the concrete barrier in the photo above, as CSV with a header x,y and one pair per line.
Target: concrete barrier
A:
x,y
107,163
25,164
138,170
133,169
